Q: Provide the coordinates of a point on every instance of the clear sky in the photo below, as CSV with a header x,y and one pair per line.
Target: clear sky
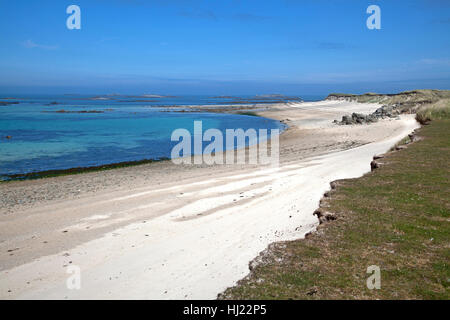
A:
x,y
223,46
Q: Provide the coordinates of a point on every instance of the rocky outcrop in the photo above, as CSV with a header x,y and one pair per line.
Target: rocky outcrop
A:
x,y
7,103
393,105
324,216
383,112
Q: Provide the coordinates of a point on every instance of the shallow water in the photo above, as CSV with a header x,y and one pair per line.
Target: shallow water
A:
x,y
106,132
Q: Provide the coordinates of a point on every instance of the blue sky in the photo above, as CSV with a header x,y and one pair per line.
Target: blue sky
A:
x,y
223,46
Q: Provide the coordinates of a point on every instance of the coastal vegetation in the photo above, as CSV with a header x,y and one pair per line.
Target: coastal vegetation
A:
x,y
412,99
437,111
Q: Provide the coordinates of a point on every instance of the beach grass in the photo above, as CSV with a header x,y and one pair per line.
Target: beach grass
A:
x,y
411,98
437,111
397,217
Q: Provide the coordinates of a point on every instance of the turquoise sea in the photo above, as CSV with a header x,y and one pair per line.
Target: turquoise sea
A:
x,y
40,133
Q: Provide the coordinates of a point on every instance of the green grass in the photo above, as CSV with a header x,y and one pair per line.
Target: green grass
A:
x,y
396,217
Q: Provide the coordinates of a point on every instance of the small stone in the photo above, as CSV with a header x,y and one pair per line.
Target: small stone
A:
x,y
374,165
312,291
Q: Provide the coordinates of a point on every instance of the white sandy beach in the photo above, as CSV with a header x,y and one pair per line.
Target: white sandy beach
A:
x,y
161,231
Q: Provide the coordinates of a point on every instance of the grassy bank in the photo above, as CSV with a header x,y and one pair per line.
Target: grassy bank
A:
x,y
397,217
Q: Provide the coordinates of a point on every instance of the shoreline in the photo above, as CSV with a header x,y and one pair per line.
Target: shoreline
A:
x,y
76,170
79,170
204,224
